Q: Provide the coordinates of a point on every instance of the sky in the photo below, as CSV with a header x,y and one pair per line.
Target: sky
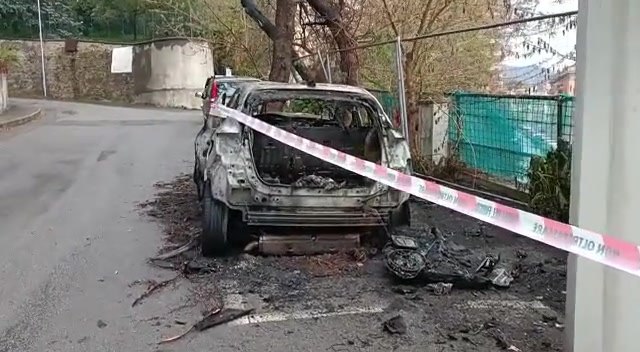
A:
x,y
562,43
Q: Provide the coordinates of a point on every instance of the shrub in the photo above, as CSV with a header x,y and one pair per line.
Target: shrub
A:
x,y
550,183
8,57
449,168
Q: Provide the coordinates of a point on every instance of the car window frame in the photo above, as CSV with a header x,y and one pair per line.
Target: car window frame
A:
x,y
233,100
207,88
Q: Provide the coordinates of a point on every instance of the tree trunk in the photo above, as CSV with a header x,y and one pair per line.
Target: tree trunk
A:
x,y
271,31
135,25
412,94
344,40
413,116
283,41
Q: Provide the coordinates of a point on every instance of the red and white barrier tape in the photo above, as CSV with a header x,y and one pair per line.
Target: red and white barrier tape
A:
x,y
607,250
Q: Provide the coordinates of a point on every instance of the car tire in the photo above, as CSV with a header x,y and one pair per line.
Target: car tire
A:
x,y
198,180
215,225
401,216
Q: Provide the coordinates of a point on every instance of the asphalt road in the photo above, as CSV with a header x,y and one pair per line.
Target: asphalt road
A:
x,y
71,240
73,244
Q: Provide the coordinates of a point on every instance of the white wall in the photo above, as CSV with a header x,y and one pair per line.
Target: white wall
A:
x,y
433,141
169,73
440,141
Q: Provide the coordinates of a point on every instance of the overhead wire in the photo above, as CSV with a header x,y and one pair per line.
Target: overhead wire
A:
x,y
456,31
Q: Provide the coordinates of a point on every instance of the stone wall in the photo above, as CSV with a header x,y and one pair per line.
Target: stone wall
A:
x,y
81,75
166,72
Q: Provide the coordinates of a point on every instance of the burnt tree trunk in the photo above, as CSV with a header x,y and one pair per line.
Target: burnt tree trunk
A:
x,y
283,41
272,31
344,40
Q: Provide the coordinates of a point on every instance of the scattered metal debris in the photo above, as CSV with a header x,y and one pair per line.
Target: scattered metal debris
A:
x,y
153,287
488,264
316,181
395,325
440,288
500,278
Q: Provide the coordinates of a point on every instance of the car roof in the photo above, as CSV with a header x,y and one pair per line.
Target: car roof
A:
x,y
235,78
328,87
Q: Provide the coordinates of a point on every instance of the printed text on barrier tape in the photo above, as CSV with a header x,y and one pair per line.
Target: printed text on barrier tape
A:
x,y
606,250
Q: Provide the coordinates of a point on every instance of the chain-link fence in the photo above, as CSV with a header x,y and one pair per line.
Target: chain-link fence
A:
x,y
498,134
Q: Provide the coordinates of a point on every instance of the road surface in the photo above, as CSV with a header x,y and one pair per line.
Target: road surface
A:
x,y
70,239
73,244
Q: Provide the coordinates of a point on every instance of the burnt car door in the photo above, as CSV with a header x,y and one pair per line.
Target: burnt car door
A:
x,y
206,97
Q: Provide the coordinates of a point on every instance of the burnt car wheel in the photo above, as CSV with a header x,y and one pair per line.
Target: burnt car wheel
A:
x,y
215,225
197,179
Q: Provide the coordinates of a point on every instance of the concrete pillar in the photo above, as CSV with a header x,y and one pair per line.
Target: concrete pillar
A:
x,y
603,314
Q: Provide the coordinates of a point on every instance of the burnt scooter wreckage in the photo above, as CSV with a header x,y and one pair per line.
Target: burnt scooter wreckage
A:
x,y
421,260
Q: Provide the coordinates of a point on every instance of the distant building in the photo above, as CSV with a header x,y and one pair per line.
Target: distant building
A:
x,y
565,82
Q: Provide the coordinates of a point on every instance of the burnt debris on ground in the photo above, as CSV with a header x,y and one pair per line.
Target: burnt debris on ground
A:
x,y
440,266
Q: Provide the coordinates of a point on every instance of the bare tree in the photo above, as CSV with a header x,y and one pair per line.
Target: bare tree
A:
x,y
283,41
331,17
273,32
439,65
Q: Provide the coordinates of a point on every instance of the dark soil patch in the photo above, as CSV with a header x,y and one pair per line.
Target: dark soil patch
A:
x,y
323,282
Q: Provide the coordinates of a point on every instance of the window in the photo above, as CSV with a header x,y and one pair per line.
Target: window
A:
x,y
343,108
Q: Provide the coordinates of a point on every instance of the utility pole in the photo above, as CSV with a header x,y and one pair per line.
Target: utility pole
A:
x,y
44,74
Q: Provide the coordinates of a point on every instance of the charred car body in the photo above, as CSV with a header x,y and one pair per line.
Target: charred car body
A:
x,y
218,88
251,179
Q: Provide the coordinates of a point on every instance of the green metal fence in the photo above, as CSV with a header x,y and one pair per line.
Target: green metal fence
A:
x,y
388,100
498,134
122,29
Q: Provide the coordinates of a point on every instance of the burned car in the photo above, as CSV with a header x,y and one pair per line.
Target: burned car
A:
x,y
217,90
250,179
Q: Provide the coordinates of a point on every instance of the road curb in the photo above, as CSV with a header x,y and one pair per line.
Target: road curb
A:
x,y
22,120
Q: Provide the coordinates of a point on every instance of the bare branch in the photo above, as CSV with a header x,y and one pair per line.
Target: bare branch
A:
x,y
390,18
342,37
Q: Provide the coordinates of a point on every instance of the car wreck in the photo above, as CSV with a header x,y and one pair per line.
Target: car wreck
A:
x,y
246,179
